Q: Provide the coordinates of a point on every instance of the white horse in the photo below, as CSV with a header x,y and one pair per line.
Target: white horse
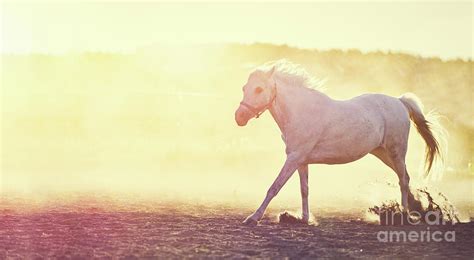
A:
x,y
319,130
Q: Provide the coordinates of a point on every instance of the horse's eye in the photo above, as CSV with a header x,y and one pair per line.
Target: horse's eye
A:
x,y
258,90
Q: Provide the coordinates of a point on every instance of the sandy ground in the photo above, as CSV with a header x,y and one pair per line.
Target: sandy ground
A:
x,y
184,230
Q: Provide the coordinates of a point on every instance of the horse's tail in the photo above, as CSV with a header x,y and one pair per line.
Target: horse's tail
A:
x,y
424,127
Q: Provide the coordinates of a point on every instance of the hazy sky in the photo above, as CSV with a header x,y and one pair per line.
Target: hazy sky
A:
x,y
425,28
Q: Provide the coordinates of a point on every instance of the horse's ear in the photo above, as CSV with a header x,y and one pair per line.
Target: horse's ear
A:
x,y
270,72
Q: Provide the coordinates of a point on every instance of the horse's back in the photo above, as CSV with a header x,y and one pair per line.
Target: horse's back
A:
x,y
390,108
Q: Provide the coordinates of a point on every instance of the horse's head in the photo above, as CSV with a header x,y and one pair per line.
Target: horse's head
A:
x,y
259,94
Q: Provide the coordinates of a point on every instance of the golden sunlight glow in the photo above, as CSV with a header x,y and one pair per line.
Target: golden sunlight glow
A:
x,y
147,105
366,26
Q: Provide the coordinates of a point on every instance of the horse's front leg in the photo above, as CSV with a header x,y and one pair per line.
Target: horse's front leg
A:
x,y
303,172
291,164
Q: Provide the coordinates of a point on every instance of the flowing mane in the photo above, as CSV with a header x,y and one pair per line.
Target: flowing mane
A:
x,y
292,73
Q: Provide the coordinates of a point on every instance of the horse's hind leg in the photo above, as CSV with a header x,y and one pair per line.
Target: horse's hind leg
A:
x,y
383,155
303,172
397,163
408,200
403,179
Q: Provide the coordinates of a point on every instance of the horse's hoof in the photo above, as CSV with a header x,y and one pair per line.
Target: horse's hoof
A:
x,y
250,222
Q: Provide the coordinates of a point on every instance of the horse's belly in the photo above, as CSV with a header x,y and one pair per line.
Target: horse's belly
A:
x,y
344,149
325,156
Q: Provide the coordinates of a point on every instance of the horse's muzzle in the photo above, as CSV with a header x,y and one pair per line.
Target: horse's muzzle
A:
x,y
242,116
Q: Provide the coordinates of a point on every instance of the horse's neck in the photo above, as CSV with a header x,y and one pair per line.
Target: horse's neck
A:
x,y
291,102
278,111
